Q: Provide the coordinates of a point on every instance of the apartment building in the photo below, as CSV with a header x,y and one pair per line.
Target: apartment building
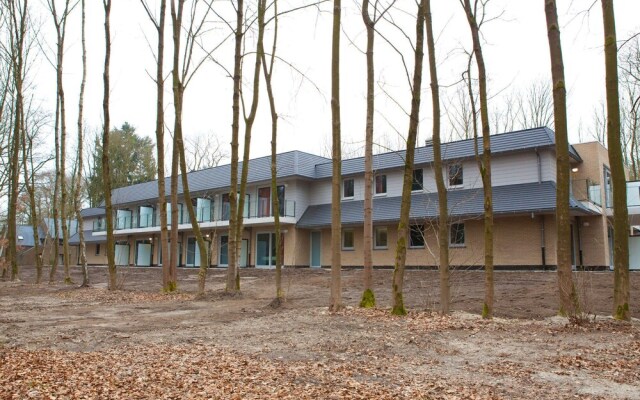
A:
x,y
524,201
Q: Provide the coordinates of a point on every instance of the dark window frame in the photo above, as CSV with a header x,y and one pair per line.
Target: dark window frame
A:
x,y
416,236
376,245
383,184
353,240
457,235
417,180
455,173
344,188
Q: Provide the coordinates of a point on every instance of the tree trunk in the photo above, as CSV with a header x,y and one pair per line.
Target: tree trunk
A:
x,y
443,213
106,172
232,245
485,167
568,297
368,298
77,202
335,302
405,207
620,212
178,101
268,74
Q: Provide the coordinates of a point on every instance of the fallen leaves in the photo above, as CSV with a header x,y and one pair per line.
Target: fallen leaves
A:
x,y
96,295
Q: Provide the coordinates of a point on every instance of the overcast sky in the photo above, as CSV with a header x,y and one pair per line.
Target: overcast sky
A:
x,y
515,46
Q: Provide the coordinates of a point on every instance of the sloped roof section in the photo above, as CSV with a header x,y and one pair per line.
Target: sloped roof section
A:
x,y
92,212
509,199
88,238
542,137
292,163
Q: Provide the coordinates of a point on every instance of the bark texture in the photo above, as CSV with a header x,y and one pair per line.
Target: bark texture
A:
x,y
335,300
443,213
405,207
620,212
566,290
485,162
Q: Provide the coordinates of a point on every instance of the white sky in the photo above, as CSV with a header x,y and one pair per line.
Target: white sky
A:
x,y
516,53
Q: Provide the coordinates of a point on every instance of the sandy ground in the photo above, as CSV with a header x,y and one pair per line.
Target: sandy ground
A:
x,y
60,341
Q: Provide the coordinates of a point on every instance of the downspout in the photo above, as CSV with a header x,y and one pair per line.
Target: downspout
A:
x,y
542,244
580,264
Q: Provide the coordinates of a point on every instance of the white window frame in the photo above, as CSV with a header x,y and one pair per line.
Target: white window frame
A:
x,y
464,235
344,197
376,246
353,238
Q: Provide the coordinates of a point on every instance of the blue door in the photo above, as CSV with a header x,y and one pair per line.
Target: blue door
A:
x,y
316,243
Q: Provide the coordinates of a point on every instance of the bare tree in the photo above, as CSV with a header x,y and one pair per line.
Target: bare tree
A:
x,y
484,164
443,214
60,23
106,172
335,301
79,168
620,212
566,290
204,151
405,207
169,272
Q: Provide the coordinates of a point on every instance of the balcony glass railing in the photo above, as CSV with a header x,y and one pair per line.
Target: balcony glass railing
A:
x,y
586,190
253,209
633,194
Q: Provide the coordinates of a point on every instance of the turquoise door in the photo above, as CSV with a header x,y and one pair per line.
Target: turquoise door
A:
x,y
316,243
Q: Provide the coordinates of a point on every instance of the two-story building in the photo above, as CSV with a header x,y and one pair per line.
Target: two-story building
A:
x,y
524,201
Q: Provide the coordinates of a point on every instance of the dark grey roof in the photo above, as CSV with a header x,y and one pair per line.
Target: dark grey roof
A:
x,y
292,163
88,238
501,143
92,212
509,199
26,233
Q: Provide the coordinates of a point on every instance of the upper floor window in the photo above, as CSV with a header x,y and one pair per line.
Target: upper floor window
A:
x,y
417,183
347,240
456,235
381,184
347,188
455,175
416,236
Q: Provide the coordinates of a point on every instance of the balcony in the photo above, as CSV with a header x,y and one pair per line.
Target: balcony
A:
x,y
260,211
586,190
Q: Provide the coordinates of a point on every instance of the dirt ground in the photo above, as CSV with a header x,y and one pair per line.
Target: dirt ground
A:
x,y
60,341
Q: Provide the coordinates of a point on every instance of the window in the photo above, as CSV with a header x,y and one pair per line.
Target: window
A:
x,y
347,189
417,180
98,249
455,175
347,240
416,237
456,237
224,250
380,237
381,184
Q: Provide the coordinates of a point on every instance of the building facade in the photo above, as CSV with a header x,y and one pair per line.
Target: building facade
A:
x,y
524,200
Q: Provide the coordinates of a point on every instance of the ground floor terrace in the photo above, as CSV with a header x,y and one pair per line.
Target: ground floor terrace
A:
x,y
525,241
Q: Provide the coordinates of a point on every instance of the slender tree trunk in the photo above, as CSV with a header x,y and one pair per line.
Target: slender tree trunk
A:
x,y
268,74
405,207
248,126
232,246
443,213
29,182
620,212
106,172
335,302
485,168
178,97
78,201
55,201
566,290
368,298
168,284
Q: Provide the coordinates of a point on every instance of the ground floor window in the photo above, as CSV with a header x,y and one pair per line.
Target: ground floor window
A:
x,y
224,250
456,237
97,249
416,236
347,240
266,249
380,238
